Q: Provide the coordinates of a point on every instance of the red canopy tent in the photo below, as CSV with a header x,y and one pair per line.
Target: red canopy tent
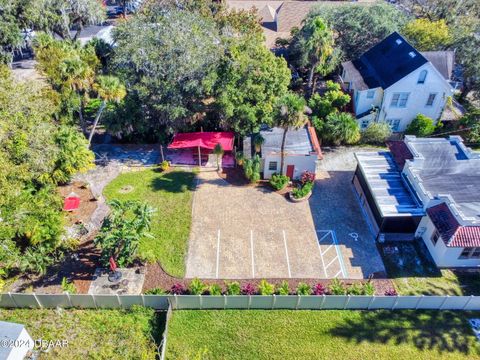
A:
x,y
205,140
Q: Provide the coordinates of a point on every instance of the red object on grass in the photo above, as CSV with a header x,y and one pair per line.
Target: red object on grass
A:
x,y
113,264
206,140
71,203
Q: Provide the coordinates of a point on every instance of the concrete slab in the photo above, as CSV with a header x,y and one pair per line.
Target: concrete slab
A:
x,y
131,282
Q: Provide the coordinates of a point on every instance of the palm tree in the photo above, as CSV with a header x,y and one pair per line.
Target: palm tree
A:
x,y
109,88
258,141
341,127
318,47
290,114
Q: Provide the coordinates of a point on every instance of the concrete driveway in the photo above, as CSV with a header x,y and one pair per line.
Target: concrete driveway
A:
x,y
241,232
335,207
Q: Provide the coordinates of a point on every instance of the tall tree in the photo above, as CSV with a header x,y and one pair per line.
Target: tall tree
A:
x,y
59,17
442,9
109,89
314,46
426,35
359,27
11,25
290,114
169,57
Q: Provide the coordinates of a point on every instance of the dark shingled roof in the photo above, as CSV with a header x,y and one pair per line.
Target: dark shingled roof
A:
x,y
400,152
388,62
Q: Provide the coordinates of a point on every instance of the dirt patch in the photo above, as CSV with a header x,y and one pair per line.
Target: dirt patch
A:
x,y
126,189
156,277
88,203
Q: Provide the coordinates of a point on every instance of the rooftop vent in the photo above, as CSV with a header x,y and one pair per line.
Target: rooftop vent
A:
x,y
399,41
412,54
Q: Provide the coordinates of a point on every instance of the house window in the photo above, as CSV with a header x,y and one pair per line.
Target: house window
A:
x,y
394,124
422,77
399,100
470,253
431,99
435,237
370,94
272,166
365,123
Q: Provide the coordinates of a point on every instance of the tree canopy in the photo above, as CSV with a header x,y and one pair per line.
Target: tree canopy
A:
x,y
426,35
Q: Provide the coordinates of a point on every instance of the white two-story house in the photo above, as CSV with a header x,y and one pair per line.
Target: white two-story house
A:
x,y
393,82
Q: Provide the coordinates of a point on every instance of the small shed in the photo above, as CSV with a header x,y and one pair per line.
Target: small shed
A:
x,y
18,342
302,151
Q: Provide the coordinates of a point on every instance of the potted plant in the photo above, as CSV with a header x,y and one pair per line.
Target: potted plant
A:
x,y
279,182
301,193
258,141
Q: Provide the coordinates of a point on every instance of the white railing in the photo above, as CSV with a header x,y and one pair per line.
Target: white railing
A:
x,y
294,302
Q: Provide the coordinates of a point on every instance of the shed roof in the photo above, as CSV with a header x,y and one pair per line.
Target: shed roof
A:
x,y
298,141
386,185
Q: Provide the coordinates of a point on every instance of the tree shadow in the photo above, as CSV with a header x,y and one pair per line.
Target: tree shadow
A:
x,y
174,182
443,331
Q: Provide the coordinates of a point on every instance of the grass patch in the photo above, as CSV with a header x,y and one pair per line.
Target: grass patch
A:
x,y
171,195
334,334
93,334
414,273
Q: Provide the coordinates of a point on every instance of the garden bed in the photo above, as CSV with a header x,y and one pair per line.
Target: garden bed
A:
x,y
88,203
283,334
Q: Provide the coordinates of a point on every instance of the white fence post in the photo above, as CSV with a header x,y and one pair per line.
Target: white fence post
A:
x,y
38,302
323,301
418,302
224,301
69,299
444,301
347,300
298,302
370,302
467,302
274,300
11,298
395,303
201,301
143,300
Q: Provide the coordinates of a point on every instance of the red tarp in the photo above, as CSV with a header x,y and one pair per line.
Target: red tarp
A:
x,y
71,203
206,140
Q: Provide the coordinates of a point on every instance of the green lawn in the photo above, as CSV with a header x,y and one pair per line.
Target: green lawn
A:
x,y
414,273
171,195
237,334
93,334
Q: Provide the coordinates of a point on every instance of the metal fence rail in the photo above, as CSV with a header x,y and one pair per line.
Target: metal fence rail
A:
x,y
294,302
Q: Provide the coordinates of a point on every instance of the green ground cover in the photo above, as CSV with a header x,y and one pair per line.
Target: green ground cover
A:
x,y
286,334
93,334
170,194
413,272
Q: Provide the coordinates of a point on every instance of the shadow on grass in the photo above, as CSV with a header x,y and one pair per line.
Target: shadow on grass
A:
x,y
443,331
174,182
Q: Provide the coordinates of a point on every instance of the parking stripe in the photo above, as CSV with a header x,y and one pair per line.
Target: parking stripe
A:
x,y
251,252
327,250
286,253
321,255
339,254
218,253
331,262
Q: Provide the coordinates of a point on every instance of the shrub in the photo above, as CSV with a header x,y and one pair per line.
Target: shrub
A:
x,y
197,287
178,289
368,288
376,133
233,288
215,289
258,141
68,286
164,165
248,289
155,291
337,287
239,158
355,289
302,191
319,289
36,259
339,128
278,182
391,292
265,288
307,177
251,168
303,289
421,126
283,289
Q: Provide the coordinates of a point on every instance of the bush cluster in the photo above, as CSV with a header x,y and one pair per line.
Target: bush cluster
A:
x,y
302,191
278,181
336,287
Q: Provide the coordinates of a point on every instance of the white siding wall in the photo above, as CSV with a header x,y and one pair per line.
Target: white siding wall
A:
x,y
442,255
418,97
362,103
301,162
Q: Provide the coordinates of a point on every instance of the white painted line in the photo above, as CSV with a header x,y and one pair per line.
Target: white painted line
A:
x,y
251,253
321,256
324,236
331,262
218,252
286,253
327,249
340,272
339,254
